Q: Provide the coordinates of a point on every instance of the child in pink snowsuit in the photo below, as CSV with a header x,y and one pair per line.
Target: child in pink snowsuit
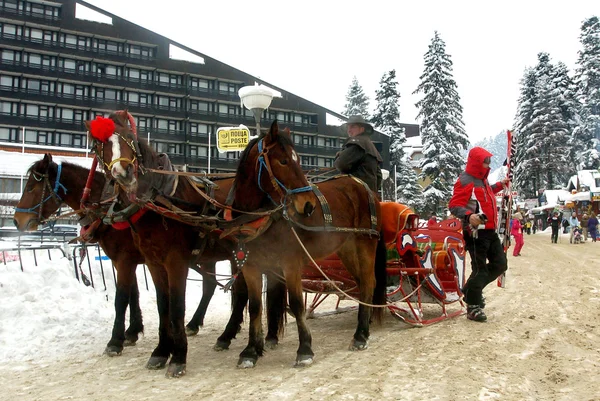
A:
x,y
517,231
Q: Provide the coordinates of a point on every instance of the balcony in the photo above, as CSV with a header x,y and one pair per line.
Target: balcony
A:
x,y
29,15
43,123
88,77
66,48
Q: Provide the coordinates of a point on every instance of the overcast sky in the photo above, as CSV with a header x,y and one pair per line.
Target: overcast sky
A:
x,y
314,48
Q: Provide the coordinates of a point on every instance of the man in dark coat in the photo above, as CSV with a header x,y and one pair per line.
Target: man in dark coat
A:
x,y
358,156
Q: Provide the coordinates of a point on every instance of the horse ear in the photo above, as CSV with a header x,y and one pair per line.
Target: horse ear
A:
x,y
87,125
273,132
47,158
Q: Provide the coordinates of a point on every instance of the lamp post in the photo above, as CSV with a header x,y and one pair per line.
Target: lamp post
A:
x,y
256,98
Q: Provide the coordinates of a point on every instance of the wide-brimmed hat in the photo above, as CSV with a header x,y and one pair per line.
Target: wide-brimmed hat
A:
x,y
358,120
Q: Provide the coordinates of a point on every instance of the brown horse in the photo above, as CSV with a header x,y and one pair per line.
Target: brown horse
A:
x,y
167,244
117,244
267,172
48,185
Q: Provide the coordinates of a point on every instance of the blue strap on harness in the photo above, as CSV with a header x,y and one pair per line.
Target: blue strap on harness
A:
x,y
262,163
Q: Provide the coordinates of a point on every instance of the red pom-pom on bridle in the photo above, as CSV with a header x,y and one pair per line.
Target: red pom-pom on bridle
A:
x,y
102,128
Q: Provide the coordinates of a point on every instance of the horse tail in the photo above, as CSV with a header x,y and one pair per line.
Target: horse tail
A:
x,y
276,305
380,293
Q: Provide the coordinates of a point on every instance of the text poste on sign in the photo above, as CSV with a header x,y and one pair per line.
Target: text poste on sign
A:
x,y
230,139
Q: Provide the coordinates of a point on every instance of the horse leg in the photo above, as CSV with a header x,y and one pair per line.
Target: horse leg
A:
x,y
359,259
177,282
255,348
293,279
239,299
161,353
123,290
136,323
209,284
276,308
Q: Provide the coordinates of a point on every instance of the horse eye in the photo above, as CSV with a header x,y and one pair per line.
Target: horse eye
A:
x,y
284,161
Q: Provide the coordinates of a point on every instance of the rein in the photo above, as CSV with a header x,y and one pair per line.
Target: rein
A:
x,y
53,192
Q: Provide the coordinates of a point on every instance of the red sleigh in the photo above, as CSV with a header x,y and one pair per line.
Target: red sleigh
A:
x,y
425,266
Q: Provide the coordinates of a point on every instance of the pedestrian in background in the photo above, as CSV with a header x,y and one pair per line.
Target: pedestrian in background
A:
x,y
573,223
516,231
584,225
593,227
554,222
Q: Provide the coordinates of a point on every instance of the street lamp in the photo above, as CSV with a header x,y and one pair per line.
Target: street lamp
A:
x,y
256,98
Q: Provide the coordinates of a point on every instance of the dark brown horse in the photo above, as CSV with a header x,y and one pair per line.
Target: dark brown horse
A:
x,y
48,186
167,244
269,173
117,244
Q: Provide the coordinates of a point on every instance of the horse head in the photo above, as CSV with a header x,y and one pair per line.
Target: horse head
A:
x,y
269,169
41,196
114,139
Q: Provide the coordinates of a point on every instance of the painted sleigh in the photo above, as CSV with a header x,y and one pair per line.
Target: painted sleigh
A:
x,y
425,269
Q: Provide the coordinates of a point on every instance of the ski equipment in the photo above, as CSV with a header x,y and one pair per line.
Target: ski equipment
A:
x,y
505,213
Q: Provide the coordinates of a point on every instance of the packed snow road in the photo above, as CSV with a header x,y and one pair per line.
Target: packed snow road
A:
x,y
541,342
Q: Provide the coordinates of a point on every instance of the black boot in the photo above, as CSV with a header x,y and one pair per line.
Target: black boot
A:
x,y
476,313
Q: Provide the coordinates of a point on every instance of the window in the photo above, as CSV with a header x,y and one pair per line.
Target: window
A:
x,y
69,64
8,81
134,74
9,55
133,97
9,134
33,85
35,59
9,30
78,141
31,110
70,40
36,35
68,89
66,114
227,87
7,108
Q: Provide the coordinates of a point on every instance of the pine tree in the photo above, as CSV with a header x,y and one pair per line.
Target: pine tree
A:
x,y
387,115
357,103
565,94
442,128
526,176
409,191
587,79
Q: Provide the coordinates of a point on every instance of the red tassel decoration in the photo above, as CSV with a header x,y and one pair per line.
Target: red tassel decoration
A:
x,y
102,128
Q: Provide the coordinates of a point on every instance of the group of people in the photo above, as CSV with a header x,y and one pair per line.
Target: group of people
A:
x,y
473,201
588,224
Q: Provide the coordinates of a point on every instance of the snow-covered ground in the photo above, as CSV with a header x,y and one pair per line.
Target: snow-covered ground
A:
x,y
540,342
47,314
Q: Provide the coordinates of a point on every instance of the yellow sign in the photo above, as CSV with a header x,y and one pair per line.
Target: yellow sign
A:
x,y
595,196
231,139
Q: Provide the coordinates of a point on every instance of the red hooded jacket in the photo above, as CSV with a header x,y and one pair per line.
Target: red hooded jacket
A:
x,y
473,193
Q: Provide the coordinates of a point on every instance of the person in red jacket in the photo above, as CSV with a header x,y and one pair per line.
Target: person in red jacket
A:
x,y
474,201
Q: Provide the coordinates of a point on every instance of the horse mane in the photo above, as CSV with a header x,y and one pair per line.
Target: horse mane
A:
x,y
149,156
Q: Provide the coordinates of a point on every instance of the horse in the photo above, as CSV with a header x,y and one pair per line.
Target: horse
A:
x,y
340,222
48,186
167,244
116,243
354,243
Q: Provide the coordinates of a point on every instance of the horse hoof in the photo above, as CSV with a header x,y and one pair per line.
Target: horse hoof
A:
x,y
221,346
175,370
189,331
271,344
303,361
358,345
156,362
113,350
246,363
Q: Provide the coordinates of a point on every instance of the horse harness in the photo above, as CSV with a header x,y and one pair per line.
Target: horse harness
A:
x,y
53,192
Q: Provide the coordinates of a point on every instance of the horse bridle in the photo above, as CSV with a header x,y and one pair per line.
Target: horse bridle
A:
x,y
132,145
53,191
282,190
